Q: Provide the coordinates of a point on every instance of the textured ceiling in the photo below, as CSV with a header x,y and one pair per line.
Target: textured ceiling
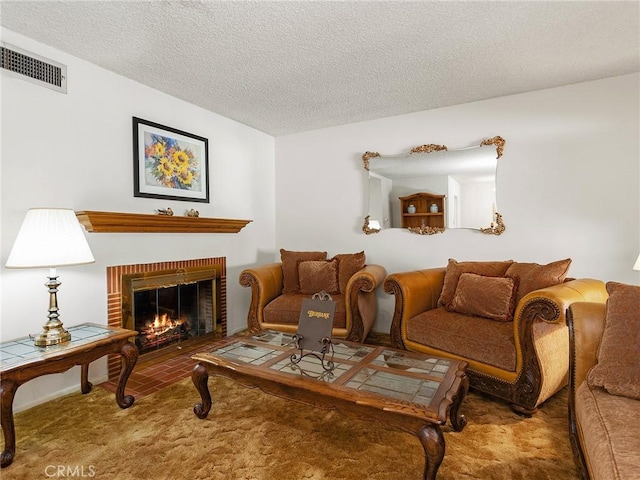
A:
x,y
290,66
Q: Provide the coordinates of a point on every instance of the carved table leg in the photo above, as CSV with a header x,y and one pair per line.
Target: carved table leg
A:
x,y
85,384
433,443
199,377
458,421
129,354
7,392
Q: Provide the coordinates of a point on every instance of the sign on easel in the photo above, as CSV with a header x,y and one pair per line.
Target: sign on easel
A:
x,y
315,324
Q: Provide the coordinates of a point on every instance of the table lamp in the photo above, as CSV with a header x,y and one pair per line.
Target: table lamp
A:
x,y
50,237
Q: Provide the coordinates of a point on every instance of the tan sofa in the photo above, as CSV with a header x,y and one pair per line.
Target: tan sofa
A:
x,y
522,357
277,291
604,385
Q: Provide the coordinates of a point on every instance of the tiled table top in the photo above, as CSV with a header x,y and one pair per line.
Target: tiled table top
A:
x,y
22,351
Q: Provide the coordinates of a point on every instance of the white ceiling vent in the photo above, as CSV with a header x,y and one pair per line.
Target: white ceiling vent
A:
x,y
33,68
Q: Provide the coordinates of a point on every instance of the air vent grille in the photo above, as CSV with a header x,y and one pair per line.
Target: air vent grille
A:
x,y
34,68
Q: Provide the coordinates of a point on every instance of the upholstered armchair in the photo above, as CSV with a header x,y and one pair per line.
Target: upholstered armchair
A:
x,y
604,384
508,324
277,291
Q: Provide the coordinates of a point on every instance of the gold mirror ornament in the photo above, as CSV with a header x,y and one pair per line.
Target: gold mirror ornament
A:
x,y
496,229
366,228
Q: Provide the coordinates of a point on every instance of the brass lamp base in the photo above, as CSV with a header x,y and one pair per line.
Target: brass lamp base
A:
x,y
53,332
52,335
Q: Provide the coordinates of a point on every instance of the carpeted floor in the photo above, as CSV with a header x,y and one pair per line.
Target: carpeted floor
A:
x,y
249,435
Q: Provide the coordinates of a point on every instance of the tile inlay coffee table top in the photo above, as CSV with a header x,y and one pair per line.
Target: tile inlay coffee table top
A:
x,y
411,391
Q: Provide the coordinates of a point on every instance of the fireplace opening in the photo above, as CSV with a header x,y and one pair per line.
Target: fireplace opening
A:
x,y
170,307
170,315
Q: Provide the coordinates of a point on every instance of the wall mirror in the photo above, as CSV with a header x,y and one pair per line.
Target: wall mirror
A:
x,y
433,188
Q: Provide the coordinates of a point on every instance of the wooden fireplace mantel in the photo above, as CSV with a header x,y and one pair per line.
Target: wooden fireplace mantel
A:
x,y
114,222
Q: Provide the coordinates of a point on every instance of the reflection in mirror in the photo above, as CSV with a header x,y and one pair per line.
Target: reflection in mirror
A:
x,y
466,177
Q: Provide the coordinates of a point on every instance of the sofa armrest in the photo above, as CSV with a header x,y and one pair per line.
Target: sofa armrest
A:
x,y
361,300
560,297
542,340
550,304
266,282
586,325
366,279
586,322
416,292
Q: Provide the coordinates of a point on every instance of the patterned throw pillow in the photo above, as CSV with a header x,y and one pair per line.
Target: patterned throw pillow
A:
x,y
318,275
348,265
455,269
488,297
290,262
533,276
618,367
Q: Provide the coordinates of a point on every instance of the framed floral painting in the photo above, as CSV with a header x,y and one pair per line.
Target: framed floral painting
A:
x,y
169,163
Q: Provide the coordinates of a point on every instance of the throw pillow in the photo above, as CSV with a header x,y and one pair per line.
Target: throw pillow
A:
x,y
348,265
290,262
488,297
618,367
455,269
318,275
533,276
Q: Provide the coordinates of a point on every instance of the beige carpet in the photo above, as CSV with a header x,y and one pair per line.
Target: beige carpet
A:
x,y
253,436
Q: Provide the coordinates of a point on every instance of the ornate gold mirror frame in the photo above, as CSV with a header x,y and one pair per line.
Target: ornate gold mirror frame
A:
x,y
497,226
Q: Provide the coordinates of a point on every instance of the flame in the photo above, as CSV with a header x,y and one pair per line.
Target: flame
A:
x,y
160,325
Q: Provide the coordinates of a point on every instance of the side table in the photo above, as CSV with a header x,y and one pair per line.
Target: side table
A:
x,y
21,361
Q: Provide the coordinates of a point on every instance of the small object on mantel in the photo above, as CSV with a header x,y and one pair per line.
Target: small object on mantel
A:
x,y
192,213
164,211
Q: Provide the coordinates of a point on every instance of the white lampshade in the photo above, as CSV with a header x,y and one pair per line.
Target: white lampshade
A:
x,y
637,264
50,237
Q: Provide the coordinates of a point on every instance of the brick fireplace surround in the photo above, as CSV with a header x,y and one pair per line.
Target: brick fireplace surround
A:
x,y
114,290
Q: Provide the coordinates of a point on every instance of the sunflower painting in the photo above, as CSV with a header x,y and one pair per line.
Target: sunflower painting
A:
x,y
169,163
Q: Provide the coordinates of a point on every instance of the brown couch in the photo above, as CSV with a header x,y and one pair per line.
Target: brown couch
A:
x,y
604,385
277,291
506,319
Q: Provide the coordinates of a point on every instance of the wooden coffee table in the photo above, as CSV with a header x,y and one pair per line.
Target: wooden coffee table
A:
x,y
413,392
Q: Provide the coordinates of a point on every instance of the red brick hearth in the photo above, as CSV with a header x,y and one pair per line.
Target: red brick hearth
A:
x,y
114,292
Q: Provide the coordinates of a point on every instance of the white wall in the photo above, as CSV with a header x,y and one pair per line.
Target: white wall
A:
x,y
75,151
568,183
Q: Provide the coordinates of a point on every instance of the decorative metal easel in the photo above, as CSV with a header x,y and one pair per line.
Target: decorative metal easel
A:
x,y
324,341
326,346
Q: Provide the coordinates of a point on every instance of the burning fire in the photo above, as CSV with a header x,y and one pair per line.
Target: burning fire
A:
x,y
161,325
